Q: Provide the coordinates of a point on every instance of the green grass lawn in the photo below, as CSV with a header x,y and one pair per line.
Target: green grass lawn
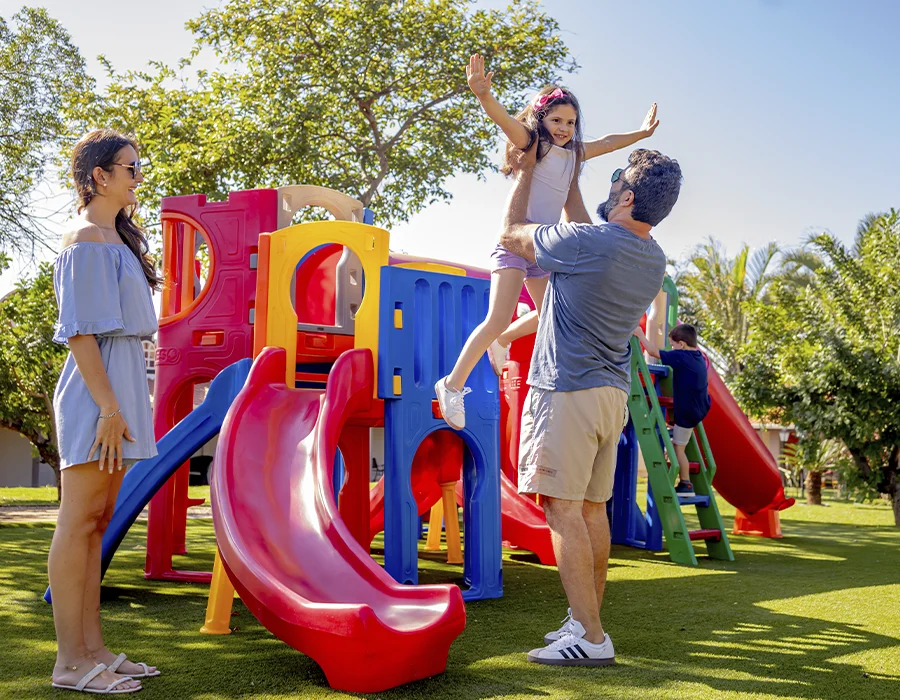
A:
x,y
814,615
46,495
28,496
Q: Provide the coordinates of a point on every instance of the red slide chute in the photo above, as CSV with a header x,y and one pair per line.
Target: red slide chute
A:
x,y
747,475
293,561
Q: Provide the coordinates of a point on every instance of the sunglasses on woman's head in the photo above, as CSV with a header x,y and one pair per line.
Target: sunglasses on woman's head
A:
x,y
134,167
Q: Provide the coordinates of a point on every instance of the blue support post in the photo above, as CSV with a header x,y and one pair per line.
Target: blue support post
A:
x,y
337,476
425,318
629,525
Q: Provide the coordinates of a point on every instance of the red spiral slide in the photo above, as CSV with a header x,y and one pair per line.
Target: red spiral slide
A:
x,y
293,561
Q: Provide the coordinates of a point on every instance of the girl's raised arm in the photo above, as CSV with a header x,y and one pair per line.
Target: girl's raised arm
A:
x,y
613,142
480,84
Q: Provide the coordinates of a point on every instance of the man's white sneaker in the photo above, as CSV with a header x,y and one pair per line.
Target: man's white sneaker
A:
x,y
452,403
498,355
569,626
570,650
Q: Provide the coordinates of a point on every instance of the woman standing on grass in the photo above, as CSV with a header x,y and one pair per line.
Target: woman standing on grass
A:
x,y
103,278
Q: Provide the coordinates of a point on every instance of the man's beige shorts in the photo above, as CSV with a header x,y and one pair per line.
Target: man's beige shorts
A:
x,y
569,442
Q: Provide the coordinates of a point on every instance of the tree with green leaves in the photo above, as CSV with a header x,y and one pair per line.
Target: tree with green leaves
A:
x,y
30,363
713,292
41,73
368,97
826,357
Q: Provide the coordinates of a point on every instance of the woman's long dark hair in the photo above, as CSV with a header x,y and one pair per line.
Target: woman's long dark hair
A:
x,y
99,149
531,118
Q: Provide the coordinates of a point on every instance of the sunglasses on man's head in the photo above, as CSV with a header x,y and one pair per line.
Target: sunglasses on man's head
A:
x,y
617,175
134,167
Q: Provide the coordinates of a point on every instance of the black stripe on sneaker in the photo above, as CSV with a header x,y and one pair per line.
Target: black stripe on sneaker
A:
x,y
565,655
580,651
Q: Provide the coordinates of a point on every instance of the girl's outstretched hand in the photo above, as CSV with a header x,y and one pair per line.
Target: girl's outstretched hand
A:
x,y
650,122
479,83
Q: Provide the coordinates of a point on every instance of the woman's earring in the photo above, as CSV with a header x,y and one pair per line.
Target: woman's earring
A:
x,y
104,184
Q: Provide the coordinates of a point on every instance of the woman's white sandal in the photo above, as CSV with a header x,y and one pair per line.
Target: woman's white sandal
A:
x,y
81,686
122,658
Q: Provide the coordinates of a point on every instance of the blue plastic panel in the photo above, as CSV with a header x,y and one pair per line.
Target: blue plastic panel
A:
x,y
438,313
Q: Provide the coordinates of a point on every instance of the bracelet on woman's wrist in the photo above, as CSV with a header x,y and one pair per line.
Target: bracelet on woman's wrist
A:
x,y
110,415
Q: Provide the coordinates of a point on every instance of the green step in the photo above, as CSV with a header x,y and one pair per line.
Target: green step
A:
x,y
702,501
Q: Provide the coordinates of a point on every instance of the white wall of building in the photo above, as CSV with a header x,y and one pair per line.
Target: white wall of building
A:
x,y
17,467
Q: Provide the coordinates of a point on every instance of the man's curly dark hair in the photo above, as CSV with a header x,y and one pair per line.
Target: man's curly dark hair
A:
x,y
655,180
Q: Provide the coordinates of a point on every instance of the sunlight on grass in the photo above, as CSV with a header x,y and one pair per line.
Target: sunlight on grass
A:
x,y
26,496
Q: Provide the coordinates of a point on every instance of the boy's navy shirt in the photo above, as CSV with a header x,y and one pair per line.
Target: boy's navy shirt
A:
x,y
691,385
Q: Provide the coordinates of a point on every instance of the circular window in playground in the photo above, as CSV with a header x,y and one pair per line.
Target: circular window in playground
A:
x,y
187,266
328,289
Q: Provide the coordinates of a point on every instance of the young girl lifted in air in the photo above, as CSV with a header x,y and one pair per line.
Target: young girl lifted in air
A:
x,y
553,119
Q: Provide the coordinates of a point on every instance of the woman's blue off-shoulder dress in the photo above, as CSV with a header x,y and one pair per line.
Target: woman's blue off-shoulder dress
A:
x,y
102,291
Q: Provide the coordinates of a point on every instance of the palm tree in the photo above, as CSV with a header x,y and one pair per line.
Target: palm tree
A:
x,y
715,289
718,291
799,267
814,456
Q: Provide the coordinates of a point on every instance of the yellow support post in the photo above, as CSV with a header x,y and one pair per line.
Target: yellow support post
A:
x,y
451,523
221,601
435,523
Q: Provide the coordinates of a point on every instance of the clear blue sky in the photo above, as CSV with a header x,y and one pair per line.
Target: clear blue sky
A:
x,y
782,113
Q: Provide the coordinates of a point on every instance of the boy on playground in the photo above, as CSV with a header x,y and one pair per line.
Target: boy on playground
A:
x,y
690,393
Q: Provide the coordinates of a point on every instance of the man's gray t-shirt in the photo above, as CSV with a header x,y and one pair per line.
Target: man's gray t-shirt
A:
x,y
602,280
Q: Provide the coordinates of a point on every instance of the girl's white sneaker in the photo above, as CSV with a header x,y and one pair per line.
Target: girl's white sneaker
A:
x,y
452,403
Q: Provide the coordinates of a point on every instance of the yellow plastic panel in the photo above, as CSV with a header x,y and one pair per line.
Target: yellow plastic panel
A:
x,y
434,267
288,246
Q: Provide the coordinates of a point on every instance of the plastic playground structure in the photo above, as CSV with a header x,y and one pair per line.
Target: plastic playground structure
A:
x,y
311,335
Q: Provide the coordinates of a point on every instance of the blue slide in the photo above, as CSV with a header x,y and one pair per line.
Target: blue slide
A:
x,y
146,477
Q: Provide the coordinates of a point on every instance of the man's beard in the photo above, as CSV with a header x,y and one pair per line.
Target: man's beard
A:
x,y
606,207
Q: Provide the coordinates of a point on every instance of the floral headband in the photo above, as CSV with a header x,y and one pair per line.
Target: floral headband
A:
x,y
542,101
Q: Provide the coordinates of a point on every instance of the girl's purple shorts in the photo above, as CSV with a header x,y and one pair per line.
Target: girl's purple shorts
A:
x,y
502,259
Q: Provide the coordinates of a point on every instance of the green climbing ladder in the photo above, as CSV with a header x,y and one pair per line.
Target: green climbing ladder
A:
x,y
649,419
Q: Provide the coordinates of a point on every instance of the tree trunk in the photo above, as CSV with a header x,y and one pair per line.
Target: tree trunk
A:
x,y
892,479
813,488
